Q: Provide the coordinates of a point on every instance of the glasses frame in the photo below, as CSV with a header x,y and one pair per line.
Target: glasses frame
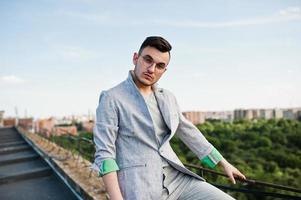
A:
x,y
148,60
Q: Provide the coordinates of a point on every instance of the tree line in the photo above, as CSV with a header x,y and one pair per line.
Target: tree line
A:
x,y
266,150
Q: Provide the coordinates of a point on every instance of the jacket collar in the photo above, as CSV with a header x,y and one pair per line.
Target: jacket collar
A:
x,y
160,96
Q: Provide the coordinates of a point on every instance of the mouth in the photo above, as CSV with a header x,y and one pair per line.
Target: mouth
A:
x,y
148,76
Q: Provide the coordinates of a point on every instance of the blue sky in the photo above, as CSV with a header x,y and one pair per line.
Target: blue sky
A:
x,y
57,56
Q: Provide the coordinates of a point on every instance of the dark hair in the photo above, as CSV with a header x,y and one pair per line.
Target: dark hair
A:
x,y
157,42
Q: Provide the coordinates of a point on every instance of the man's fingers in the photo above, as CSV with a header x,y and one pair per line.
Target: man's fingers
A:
x,y
232,179
233,172
240,175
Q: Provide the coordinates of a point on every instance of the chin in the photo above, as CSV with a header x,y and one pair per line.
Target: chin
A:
x,y
147,83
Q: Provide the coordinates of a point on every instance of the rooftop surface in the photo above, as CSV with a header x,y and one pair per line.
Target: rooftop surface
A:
x,y
23,172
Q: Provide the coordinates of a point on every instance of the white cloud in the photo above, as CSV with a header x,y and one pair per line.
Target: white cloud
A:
x,y
11,79
291,11
288,14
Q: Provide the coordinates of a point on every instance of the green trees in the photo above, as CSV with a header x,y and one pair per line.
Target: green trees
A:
x,y
266,150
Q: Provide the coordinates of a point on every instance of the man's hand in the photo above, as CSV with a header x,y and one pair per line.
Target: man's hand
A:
x,y
231,171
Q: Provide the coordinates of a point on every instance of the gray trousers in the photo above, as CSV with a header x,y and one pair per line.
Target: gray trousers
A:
x,y
195,189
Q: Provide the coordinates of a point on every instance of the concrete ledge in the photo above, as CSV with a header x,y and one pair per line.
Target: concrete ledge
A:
x,y
72,169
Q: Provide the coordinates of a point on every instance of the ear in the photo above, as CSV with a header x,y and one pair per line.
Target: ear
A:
x,y
135,58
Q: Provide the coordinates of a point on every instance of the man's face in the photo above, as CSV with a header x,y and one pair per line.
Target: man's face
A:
x,y
150,65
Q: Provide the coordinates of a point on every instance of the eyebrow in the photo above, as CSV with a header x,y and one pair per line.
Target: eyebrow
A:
x,y
160,63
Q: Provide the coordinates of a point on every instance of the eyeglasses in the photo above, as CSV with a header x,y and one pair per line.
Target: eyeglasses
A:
x,y
150,61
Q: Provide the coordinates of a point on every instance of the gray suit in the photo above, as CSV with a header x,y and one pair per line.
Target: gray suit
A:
x,y
124,132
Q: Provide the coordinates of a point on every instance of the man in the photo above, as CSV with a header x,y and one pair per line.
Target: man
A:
x,y
135,121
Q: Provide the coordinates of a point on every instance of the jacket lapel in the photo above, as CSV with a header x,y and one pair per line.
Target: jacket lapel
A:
x,y
161,100
164,108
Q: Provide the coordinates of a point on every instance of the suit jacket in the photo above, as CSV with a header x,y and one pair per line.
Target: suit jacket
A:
x,y
124,132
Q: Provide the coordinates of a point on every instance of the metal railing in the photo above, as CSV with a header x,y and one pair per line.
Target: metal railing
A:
x,y
77,142
251,183
81,143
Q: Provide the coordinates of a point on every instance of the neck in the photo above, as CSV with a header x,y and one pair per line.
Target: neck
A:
x,y
145,90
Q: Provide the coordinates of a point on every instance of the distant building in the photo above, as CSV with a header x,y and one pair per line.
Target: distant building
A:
x,y
195,117
26,123
1,118
10,121
50,126
278,113
255,114
268,113
226,116
299,114
44,126
249,114
239,114
64,130
288,114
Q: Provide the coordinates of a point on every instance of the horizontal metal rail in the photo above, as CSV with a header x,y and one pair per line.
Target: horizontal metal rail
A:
x,y
252,182
258,192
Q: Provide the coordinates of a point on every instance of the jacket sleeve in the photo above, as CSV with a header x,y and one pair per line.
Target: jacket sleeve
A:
x,y
196,141
105,133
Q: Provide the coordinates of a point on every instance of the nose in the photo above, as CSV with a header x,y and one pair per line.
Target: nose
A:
x,y
151,68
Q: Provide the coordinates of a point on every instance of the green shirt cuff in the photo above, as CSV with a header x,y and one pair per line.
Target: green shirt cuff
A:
x,y
212,158
107,166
